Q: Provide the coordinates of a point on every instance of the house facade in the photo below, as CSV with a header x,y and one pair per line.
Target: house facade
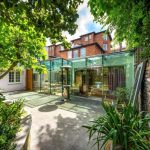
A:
x,y
95,69
87,45
13,81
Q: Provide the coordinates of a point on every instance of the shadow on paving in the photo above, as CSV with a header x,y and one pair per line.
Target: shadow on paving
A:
x,y
69,135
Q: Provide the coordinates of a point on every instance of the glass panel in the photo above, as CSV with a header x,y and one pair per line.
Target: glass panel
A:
x,y
79,63
125,59
94,61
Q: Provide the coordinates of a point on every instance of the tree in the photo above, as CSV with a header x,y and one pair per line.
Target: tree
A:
x,y
129,18
25,24
20,45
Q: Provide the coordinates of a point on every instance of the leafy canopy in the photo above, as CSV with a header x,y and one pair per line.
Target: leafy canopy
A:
x,y
129,18
24,24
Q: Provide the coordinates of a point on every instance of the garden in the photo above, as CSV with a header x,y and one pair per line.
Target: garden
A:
x,y
24,28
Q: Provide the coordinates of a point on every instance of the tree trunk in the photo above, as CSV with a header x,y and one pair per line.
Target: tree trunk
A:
x,y
8,70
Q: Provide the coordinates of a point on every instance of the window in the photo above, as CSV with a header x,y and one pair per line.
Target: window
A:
x,y
14,77
61,48
105,37
11,76
75,54
105,47
35,77
69,54
90,36
86,38
83,52
18,76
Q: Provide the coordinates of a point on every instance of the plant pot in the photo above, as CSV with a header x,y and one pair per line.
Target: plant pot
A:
x,y
109,146
118,147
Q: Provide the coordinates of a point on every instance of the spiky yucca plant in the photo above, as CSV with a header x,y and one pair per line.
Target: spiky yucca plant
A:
x,y
127,129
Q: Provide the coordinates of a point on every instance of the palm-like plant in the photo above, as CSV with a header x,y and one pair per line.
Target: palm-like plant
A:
x,y
128,129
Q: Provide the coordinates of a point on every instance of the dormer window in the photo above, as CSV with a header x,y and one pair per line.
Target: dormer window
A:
x,y
105,37
61,48
90,36
86,38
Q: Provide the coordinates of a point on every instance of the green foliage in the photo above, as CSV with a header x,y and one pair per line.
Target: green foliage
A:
x,y
127,129
20,45
130,19
50,18
2,97
122,95
10,117
24,25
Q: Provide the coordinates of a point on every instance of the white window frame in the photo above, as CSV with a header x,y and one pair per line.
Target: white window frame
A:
x,y
61,47
105,47
76,51
105,37
90,37
83,52
69,54
86,38
14,78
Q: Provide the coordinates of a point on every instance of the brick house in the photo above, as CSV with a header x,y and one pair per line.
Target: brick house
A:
x,y
87,45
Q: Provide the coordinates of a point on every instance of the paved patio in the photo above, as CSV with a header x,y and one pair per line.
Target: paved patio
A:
x,y
58,126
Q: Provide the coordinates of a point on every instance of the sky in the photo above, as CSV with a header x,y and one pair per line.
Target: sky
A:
x,y
85,23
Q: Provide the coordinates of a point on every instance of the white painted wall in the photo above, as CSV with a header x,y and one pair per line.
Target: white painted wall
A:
x,y
6,86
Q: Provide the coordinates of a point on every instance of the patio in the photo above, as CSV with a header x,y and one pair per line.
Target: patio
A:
x,y
57,126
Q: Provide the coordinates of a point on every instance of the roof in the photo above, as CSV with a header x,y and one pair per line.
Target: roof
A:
x,y
85,46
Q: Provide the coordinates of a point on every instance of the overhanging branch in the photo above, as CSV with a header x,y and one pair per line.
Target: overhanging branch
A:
x,y
8,70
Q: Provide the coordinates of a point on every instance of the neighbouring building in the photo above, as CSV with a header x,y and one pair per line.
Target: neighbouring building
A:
x,y
87,45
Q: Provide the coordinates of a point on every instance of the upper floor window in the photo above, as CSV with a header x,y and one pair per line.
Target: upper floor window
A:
x,y
69,54
75,54
14,76
51,51
86,38
61,48
90,36
105,37
105,47
83,52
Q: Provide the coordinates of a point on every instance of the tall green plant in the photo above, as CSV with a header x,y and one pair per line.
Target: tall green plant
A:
x,y
10,117
127,129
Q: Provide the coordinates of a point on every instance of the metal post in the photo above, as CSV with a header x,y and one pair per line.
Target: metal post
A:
x,y
40,79
50,77
87,78
102,78
62,81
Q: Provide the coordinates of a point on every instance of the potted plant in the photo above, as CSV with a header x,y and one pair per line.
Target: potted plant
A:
x,y
127,128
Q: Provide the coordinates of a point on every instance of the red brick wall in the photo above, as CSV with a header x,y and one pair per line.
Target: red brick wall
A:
x,y
90,51
89,40
99,39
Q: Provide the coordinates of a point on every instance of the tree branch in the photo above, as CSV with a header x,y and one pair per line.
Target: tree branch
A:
x,y
8,70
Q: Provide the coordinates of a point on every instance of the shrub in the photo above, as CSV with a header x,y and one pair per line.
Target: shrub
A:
x,y
10,117
127,129
2,98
